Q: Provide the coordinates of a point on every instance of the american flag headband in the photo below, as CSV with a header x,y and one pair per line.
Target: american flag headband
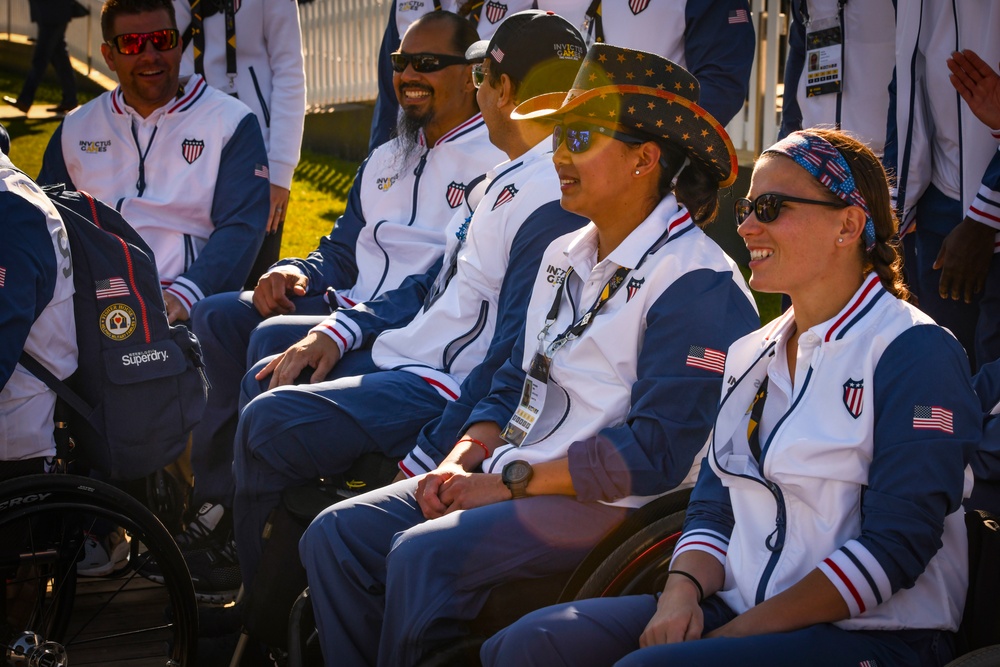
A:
x,y
821,159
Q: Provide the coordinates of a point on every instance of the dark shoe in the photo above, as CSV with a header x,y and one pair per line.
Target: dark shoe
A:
x,y
211,525
215,572
63,109
13,101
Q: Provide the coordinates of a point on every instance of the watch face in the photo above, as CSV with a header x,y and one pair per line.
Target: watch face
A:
x,y
517,471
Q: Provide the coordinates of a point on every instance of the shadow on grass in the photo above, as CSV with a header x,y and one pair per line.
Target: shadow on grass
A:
x,y
326,174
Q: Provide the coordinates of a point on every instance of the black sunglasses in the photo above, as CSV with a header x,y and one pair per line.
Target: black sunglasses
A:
x,y
578,136
132,43
424,62
767,206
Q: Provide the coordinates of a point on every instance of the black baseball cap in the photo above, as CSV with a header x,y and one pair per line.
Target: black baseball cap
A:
x,y
540,51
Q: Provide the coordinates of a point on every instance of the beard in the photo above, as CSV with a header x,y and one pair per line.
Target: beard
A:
x,y
408,127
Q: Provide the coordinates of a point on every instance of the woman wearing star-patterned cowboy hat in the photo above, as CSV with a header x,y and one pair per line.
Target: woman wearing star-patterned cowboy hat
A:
x,y
826,527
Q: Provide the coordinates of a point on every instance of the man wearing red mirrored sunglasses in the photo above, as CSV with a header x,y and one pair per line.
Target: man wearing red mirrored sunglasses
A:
x,y
184,163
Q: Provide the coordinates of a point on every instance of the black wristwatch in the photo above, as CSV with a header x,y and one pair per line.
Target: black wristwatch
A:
x,y
516,476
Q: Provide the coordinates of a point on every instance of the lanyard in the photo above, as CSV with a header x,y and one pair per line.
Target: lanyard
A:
x,y
756,410
576,329
198,15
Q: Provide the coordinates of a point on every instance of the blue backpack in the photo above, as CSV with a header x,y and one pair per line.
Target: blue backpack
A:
x,y
140,387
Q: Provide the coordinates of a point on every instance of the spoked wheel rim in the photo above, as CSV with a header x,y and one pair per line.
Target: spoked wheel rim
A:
x,y
53,615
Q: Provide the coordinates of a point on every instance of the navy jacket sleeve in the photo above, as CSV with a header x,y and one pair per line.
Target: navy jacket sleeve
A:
x,y
986,382
890,154
791,113
240,208
543,226
334,263
917,475
29,277
386,104
53,164
392,309
720,54
653,451
708,520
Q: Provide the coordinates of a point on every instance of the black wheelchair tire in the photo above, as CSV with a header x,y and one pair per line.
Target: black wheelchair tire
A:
x,y
30,506
988,656
639,564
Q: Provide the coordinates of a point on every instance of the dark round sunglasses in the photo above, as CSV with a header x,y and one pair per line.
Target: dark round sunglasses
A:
x,y
578,136
424,62
768,205
132,43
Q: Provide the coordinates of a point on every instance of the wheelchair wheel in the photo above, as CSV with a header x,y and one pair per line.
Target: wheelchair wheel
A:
x,y
639,565
53,615
988,656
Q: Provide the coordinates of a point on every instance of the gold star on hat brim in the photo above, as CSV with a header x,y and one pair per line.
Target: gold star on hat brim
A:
x,y
650,104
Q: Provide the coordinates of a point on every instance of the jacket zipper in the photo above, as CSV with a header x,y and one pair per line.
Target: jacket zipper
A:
x,y
775,542
260,98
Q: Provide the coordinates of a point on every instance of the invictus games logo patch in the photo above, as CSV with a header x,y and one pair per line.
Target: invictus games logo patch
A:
x,y
568,51
95,146
191,149
411,6
117,321
384,183
555,275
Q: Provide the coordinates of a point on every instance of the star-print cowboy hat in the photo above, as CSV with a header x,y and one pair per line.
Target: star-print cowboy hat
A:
x,y
644,95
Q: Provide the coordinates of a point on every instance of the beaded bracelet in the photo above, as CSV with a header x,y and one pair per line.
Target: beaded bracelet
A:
x,y
469,438
701,591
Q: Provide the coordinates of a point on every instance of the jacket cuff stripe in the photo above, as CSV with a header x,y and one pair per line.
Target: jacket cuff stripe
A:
x,y
406,471
844,586
419,458
702,540
332,332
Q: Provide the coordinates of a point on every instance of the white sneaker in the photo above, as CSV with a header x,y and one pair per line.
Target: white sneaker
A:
x,y
104,555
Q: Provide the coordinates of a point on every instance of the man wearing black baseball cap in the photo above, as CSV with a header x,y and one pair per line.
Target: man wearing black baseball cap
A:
x,y
487,279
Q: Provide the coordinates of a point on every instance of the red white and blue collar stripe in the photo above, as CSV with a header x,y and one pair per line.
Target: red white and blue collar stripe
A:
x,y
871,290
192,92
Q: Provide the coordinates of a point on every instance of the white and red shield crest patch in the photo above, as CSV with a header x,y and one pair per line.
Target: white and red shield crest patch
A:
x,y
637,5
633,287
854,393
505,196
192,149
495,11
455,194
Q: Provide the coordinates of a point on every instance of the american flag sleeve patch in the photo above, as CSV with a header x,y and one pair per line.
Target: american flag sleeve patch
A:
x,y
933,417
706,358
262,171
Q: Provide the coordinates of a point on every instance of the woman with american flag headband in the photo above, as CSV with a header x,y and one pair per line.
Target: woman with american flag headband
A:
x,y
826,526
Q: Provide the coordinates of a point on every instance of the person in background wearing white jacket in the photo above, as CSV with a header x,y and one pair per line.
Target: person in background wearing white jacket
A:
x,y
266,72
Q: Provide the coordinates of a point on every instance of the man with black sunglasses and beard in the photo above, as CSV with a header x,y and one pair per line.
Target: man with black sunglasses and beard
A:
x,y
403,195
184,163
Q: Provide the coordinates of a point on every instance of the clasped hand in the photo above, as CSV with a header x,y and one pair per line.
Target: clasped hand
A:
x,y
450,487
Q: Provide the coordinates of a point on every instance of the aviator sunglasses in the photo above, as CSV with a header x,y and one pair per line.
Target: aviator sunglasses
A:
x,y
767,206
424,62
132,43
578,136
